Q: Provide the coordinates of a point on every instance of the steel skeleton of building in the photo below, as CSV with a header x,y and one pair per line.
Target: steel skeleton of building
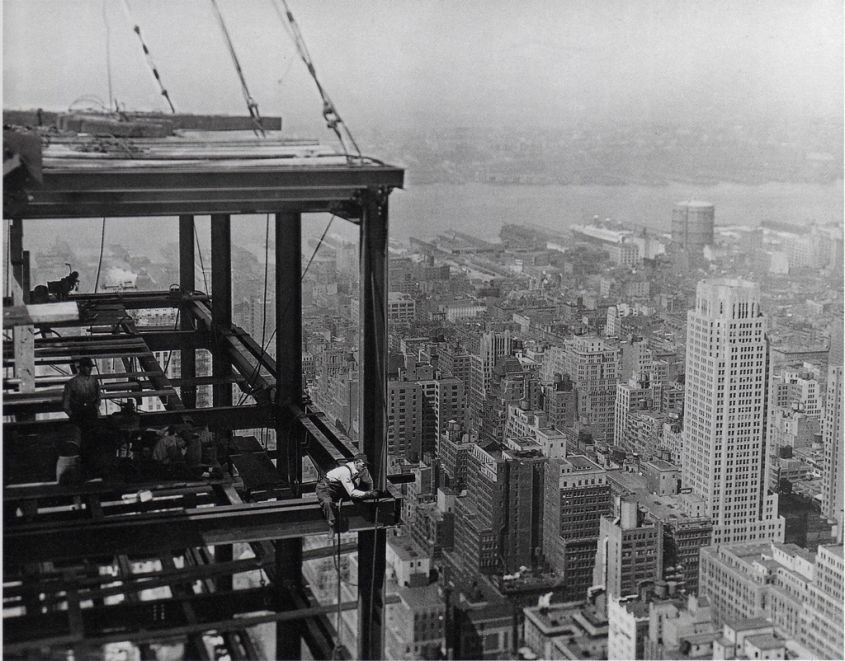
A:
x,y
50,532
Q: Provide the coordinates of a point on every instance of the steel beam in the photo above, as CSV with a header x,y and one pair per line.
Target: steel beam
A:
x,y
289,308
73,191
228,418
221,318
188,368
373,414
288,392
56,634
174,530
134,620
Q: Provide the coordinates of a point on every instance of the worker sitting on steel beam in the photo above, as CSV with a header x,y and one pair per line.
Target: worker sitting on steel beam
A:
x,y
343,482
169,454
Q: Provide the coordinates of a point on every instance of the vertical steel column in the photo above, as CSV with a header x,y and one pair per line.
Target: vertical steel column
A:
x,y
26,283
221,314
221,298
372,414
288,391
187,284
288,340
16,257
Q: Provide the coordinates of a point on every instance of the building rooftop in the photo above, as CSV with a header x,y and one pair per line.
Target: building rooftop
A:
x,y
630,482
404,547
426,597
749,624
766,641
579,462
661,464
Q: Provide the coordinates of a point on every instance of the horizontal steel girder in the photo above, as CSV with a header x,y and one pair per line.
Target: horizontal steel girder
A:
x,y
223,417
84,192
172,531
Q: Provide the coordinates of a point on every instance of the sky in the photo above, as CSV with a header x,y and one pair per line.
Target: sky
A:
x,y
427,63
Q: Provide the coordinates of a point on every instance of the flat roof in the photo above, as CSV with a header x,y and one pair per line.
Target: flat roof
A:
x,y
427,596
662,464
580,462
405,548
766,641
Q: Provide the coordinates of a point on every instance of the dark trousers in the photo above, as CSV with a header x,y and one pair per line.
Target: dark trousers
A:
x,y
328,493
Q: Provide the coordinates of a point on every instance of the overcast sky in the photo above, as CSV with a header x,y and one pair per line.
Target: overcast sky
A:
x,y
433,61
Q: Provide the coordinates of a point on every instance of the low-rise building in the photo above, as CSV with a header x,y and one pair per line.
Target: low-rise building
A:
x,y
415,626
572,630
796,591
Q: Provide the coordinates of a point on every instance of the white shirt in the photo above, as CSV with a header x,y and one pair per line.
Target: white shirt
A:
x,y
346,474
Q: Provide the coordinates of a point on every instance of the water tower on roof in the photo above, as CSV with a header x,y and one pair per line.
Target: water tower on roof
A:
x,y
692,225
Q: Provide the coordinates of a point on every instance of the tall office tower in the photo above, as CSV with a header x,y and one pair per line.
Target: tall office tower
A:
x,y
576,495
560,402
594,366
452,451
692,225
630,550
510,384
724,453
404,419
498,524
832,428
491,346
443,400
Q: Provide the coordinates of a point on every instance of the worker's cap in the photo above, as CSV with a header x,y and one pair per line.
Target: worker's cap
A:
x,y
360,457
85,362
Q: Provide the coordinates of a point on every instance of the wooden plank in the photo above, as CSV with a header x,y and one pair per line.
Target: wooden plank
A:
x,y
66,360
40,313
24,360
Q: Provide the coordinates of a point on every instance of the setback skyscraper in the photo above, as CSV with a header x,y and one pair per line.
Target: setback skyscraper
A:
x,y
727,373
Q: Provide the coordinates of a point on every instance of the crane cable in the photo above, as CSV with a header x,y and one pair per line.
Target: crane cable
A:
x,y
100,260
330,113
136,28
251,104
287,305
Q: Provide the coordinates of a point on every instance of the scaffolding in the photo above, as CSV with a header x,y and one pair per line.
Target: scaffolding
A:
x,y
69,551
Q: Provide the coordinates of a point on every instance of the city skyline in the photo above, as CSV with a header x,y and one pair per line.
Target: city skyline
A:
x,y
582,316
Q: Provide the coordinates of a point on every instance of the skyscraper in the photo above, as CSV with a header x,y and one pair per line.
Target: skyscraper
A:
x,y
727,372
832,426
491,346
692,225
594,366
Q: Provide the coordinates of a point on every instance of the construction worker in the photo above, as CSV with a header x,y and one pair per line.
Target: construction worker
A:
x,y
343,482
81,397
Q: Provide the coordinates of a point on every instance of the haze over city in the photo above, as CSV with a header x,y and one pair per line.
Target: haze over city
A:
x,y
553,369
429,64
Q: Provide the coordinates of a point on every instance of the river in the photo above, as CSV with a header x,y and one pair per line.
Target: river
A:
x,y
480,209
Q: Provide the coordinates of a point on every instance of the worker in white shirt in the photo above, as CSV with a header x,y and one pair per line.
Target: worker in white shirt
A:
x,y
343,482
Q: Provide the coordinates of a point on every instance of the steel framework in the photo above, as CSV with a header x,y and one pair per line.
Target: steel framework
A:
x,y
57,539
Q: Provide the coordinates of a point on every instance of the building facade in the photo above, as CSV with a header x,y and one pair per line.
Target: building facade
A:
x,y
725,412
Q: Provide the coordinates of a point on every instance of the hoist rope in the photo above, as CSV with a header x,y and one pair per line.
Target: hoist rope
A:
x,y
287,305
100,260
251,104
108,53
330,113
337,647
137,30
199,253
